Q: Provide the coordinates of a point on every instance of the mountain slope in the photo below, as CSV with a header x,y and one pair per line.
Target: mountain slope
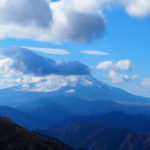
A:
x,y
13,137
74,104
36,118
136,123
24,119
13,97
52,113
97,137
83,107
93,89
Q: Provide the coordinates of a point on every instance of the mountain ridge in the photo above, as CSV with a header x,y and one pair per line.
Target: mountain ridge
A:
x,y
14,137
98,137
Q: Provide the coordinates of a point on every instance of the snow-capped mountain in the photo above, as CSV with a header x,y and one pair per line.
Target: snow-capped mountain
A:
x,y
85,87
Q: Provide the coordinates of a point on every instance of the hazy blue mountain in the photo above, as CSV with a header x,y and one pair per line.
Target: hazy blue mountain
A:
x,y
137,123
55,114
52,113
97,137
12,97
84,107
24,119
74,104
36,118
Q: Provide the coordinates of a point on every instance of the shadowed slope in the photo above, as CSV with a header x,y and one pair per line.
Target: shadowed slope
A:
x,y
13,137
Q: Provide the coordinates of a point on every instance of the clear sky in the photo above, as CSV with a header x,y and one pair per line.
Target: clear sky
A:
x,y
112,39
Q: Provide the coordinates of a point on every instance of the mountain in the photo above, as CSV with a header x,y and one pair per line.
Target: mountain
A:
x,y
87,88
37,118
75,105
52,113
14,137
97,137
90,88
13,97
137,123
81,106
24,119
57,108
146,140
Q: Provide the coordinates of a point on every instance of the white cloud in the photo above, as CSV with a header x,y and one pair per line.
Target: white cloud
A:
x,y
95,52
43,20
6,69
70,91
49,83
124,65
113,67
64,20
27,82
146,82
120,65
88,5
120,78
106,65
25,13
10,76
139,8
48,50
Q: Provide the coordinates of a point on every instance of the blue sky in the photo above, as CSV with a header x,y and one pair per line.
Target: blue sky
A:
x,y
126,37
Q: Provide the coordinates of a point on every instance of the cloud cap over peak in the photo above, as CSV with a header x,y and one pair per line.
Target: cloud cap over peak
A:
x,y
28,62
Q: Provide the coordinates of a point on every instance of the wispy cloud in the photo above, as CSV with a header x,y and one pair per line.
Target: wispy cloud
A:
x,y
94,52
146,82
48,50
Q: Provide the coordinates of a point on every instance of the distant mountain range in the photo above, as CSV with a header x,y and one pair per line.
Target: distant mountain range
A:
x,y
81,106
14,137
92,131
80,136
87,136
51,110
97,137
136,123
